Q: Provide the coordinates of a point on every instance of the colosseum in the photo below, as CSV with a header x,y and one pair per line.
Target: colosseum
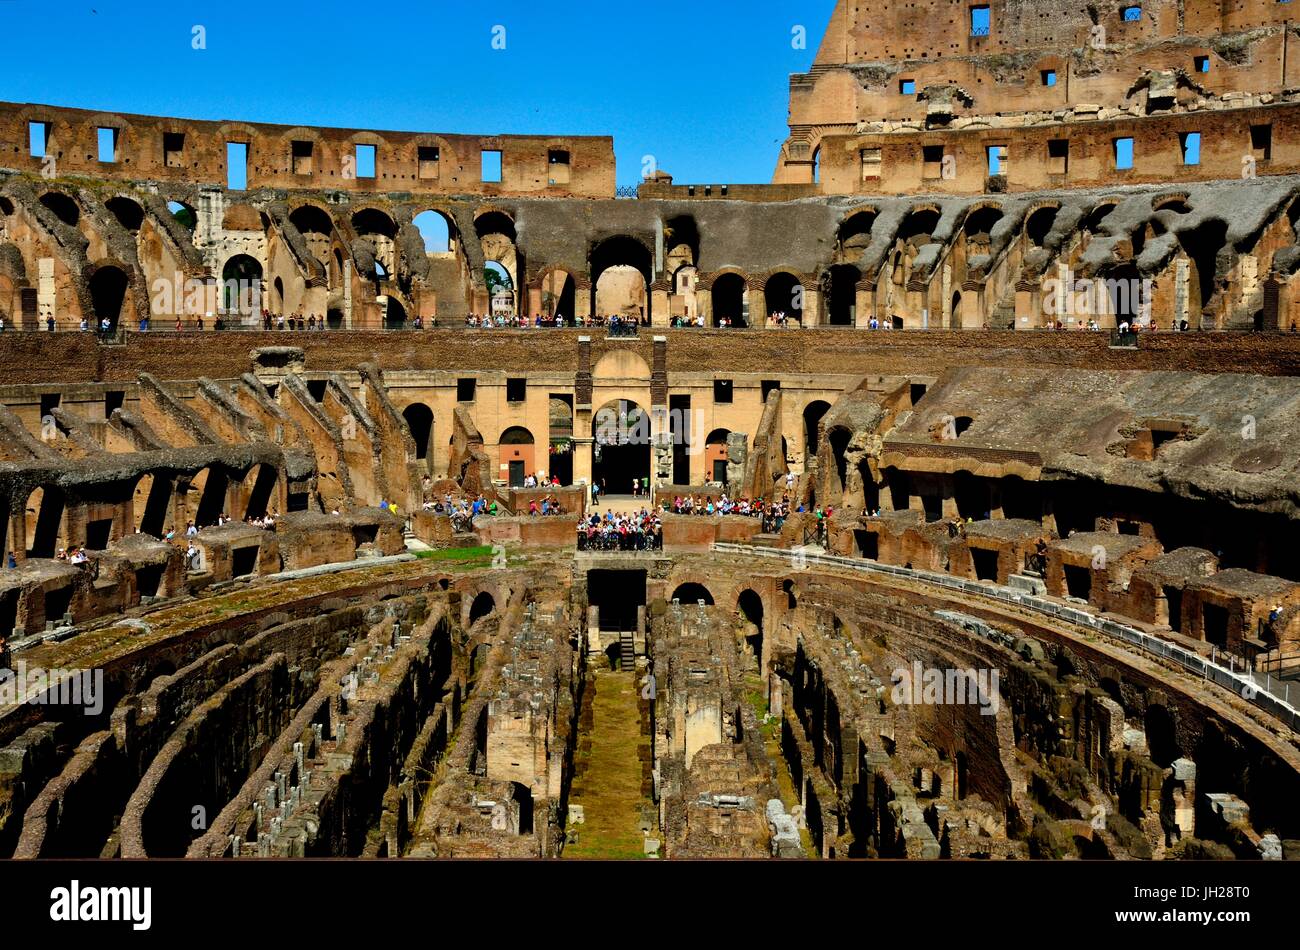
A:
x,y
375,494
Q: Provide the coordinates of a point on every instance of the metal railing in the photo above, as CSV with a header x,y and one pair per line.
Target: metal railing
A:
x,y
1241,683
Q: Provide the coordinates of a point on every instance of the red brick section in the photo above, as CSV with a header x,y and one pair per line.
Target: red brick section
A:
x,y
42,358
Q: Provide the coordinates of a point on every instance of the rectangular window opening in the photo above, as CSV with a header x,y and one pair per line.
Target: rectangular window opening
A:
x,y
302,156
722,391
981,21
428,158
1191,146
237,165
173,149
1123,153
491,166
38,137
366,157
107,145
1058,156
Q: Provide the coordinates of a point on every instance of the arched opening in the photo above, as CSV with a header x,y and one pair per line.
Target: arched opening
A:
x,y
1203,246
241,284
185,216
812,416
918,227
1039,225
153,504
979,227
262,491
46,521
559,295
1124,292
128,213
620,278
682,241
516,450
437,230
839,441
107,293
855,235
394,313
620,451
973,496
277,296
317,230
692,593
419,419
784,296
560,423
500,289
715,456
63,207
523,799
817,165
483,605
498,239
844,294
1093,223
205,496
729,296
378,230
749,606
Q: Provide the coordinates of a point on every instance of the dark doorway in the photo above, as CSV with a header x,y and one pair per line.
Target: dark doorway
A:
x,y
844,294
616,595
621,450
729,300
1078,581
243,561
868,544
98,534
107,292
419,419
1216,625
1174,599
986,564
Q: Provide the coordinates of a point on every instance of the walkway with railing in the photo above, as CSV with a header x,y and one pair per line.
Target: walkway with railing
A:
x,y
1266,692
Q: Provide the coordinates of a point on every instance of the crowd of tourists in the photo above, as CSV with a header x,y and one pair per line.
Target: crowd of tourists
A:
x,y
634,531
524,322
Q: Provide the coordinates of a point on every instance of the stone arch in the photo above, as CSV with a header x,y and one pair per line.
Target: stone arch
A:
x,y
483,605
627,254
46,521
419,419
749,609
108,286
812,417
62,206
691,592
128,212
728,295
783,293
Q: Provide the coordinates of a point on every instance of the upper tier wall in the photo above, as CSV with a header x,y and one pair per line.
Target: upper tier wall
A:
x,y
158,148
27,359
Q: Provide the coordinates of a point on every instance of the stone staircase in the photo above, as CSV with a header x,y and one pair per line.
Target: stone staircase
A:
x,y
626,651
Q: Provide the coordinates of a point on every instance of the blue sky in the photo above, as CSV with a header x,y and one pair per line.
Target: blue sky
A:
x,y
701,86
